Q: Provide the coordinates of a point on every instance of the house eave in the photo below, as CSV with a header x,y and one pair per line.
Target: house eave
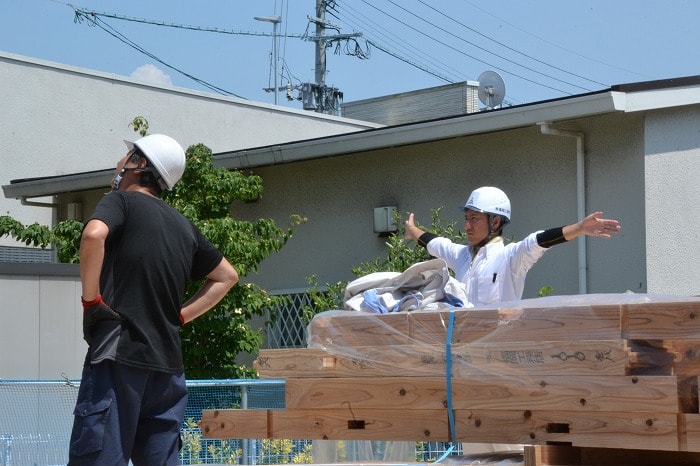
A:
x,y
414,133
632,97
50,186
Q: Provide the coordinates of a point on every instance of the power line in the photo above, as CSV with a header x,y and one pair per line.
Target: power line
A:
x,y
553,44
368,24
94,20
464,53
92,16
510,48
181,26
285,6
406,60
350,49
489,52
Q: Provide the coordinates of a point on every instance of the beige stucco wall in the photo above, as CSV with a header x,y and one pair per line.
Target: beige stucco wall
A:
x,y
337,195
61,120
672,178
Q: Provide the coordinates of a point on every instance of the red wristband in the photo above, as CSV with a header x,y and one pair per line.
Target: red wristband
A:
x,y
91,303
182,319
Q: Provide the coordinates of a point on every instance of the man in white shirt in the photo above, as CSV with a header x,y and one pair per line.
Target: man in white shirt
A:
x,y
494,272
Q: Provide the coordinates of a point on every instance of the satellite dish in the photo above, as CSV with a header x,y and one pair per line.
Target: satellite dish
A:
x,y
492,89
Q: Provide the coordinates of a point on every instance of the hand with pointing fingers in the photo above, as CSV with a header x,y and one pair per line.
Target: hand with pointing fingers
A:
x,y
593,225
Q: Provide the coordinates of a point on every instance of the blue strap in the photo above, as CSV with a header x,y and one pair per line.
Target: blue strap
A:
x,y
448,375
446,454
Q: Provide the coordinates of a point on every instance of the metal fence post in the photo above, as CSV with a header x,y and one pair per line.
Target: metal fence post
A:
x,y
8,449
244,405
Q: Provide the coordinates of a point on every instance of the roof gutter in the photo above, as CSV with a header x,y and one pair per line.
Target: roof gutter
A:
x,y
372,139
415,133
51,205
43,187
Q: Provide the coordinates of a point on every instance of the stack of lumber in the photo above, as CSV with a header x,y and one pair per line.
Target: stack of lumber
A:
x,y
604,371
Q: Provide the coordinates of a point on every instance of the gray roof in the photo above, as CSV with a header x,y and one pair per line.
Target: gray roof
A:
x,y
631,97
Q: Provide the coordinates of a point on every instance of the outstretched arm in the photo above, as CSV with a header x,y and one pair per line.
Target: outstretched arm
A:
x,y
592,225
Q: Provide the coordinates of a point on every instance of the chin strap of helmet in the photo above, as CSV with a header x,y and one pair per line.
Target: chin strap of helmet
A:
x,y
120,175
492,233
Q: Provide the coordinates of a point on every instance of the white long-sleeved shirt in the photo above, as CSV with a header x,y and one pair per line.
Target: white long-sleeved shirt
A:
x,y
497,272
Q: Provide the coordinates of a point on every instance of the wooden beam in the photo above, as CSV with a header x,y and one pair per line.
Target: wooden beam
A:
x,y
661,321
235,424
686,355
689,426
349,329
606,430
560,393
507,359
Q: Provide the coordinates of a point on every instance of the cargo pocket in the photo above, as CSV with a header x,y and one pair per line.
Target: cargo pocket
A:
x,y
89,428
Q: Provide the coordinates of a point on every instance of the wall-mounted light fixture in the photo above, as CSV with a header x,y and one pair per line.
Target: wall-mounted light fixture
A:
x,y
385,220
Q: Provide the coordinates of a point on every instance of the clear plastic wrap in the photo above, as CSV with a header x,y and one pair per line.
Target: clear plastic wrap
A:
x,y
615,370
563,335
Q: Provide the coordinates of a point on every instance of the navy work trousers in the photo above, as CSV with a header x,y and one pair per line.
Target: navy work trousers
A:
x,y
125,413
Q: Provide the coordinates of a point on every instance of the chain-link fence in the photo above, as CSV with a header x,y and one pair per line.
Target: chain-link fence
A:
x,y
36,419
36,416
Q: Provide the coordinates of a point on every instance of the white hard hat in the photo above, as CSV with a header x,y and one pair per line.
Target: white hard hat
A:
x,y
489,200
165,155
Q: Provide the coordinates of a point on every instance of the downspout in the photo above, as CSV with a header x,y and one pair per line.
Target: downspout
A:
x,y
580,196
50,205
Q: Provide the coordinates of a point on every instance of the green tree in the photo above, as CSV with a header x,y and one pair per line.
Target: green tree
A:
x,y
64,235
205,195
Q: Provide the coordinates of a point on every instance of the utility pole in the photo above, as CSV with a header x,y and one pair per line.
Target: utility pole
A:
x,y
317,96
320,43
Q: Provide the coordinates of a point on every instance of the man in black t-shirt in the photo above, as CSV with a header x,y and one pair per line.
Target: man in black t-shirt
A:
x,y
137,256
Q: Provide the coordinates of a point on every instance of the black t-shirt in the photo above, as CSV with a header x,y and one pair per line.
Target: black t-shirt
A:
x,y
152,252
